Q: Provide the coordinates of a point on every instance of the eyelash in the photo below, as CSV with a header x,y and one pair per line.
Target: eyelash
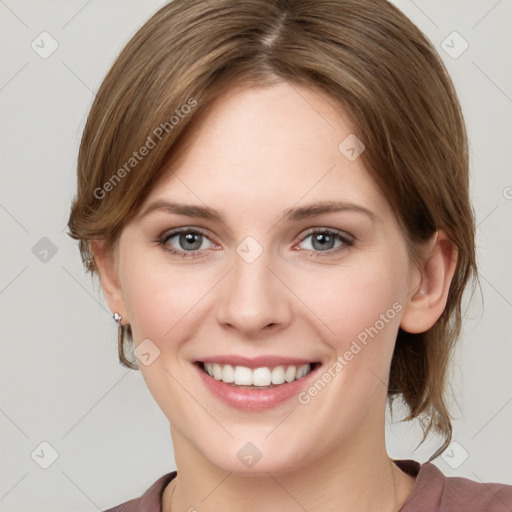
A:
x,y
347,241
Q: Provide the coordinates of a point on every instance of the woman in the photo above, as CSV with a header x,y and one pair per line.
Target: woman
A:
x,y
274,195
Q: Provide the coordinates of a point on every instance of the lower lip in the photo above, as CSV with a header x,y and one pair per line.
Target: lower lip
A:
x,y
255,399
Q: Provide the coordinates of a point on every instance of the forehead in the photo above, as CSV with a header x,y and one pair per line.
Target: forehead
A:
x,y
265,146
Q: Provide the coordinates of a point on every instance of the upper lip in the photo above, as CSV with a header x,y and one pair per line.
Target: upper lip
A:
x,y
256,362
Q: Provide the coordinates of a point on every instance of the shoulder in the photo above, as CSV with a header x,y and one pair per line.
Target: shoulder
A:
x,y
150,501
435,492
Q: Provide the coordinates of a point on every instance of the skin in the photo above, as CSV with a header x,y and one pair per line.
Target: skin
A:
x,y
259,152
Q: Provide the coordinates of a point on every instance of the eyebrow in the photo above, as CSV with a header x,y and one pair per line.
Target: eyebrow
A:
x,y
290,214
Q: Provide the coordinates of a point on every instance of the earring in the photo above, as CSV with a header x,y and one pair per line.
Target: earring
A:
x,y
117,318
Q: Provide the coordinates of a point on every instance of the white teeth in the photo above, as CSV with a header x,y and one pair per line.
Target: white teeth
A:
x,y
301,371
290,373
278,375
228,373
264,376
217,371
261,377
243,376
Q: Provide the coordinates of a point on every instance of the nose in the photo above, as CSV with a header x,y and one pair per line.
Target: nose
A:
x,y
253,300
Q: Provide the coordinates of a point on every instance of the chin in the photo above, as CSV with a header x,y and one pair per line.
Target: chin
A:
x,y
246,459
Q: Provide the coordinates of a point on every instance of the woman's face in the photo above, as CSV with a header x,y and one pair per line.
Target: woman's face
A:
x,y
266,281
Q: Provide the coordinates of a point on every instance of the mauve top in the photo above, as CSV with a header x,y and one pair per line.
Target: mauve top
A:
x,y
432,492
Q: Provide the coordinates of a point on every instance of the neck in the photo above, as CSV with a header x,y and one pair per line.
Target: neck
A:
x,y
356,476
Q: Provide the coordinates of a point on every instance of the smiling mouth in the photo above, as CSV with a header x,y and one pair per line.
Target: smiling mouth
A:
x,y
264,377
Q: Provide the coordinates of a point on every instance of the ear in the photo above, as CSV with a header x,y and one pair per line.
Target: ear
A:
x,y
431,283
106,262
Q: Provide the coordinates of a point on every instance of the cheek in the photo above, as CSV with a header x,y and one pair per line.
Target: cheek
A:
x,y
167,304
360,311
154,296
350,301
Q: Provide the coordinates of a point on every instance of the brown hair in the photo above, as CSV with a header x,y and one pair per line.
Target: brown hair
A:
x,y
364,53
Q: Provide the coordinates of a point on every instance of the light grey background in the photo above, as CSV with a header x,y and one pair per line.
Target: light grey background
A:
x,y
61,382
